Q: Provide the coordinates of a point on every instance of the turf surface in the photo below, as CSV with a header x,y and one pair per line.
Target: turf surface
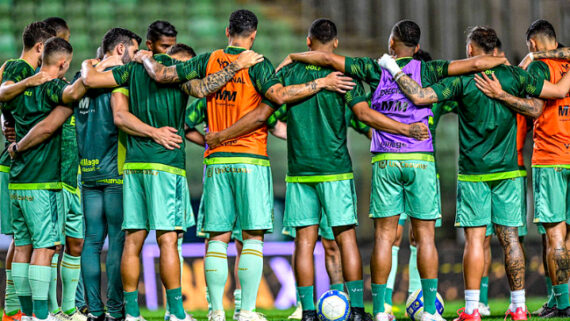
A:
x,y
498,308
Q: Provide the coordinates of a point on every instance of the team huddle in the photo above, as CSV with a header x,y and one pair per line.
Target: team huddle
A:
x,y
103,156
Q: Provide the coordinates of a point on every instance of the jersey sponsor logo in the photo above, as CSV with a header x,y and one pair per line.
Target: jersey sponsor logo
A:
x,y
563,111
313,67
567,146
391,105
226,170
401,164
28,93
397,145
226,95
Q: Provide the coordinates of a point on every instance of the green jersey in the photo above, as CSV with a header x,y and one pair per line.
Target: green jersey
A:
x,y
69,153
438,110
157,105
539,69
101,144
38,167
316,126
487,127
195,113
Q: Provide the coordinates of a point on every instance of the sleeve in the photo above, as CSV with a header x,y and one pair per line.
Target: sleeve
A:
x,y
539,70
356,124
196,113
356,95
279,114
435,70
530,84
276,78
54,92
263,76
122,73
449,88
122,90
193,68
362,68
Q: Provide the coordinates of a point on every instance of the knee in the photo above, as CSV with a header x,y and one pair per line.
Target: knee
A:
x,y
74,246
331,249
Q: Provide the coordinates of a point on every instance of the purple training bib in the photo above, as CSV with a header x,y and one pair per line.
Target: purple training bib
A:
x,y
389,100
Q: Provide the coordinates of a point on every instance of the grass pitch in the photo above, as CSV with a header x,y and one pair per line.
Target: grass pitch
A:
x,y
498,309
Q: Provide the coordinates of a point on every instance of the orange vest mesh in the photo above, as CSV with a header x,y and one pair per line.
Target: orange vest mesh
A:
x,y
522,129
225,107
552,128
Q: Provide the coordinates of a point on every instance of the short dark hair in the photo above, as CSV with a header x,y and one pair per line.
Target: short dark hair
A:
x,y
407,32
485,37
323,30
35,32
159,29
57,23
180,47
55,46
422,55
242,23
116,36
542,27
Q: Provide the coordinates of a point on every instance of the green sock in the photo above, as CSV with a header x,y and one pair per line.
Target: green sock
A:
x,y
237,299
132,303
216,267
356,293
21,279
429,289
40,277
393,269
561,294
52,295
249,272
378,294
297,294
11,302
337,286
307,297
415,280
174,299
551,298
70,271
388,296
484,291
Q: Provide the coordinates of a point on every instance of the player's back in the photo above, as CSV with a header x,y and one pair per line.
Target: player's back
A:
x,y
233,101
316,126
98,137
40,164
488,128
157,105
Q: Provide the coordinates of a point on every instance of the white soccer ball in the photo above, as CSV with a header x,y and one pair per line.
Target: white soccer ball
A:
x,y
415,305
333,305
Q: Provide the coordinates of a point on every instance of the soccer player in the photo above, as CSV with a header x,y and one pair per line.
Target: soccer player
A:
x,y
489,182
156,162
102,152
550,161
35,183
181,52
238,178
395,191
72,289
315,185
160,36
34,36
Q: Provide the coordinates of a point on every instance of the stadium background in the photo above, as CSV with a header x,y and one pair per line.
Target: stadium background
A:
x,y
364,27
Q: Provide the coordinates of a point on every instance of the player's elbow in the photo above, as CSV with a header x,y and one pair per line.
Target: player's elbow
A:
x,y
119,120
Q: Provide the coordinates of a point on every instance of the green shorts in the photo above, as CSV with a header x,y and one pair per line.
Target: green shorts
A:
x,y
73,220
325,230
156,200
523,230
37,217
236,232
404,216
551,194
238,193
482,203
5,207
404,186
307,203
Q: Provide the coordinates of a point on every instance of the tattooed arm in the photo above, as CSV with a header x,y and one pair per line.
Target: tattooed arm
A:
x,y
381,122
560,53
318,58
531,107
412,90
248,123
203,87
335,81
